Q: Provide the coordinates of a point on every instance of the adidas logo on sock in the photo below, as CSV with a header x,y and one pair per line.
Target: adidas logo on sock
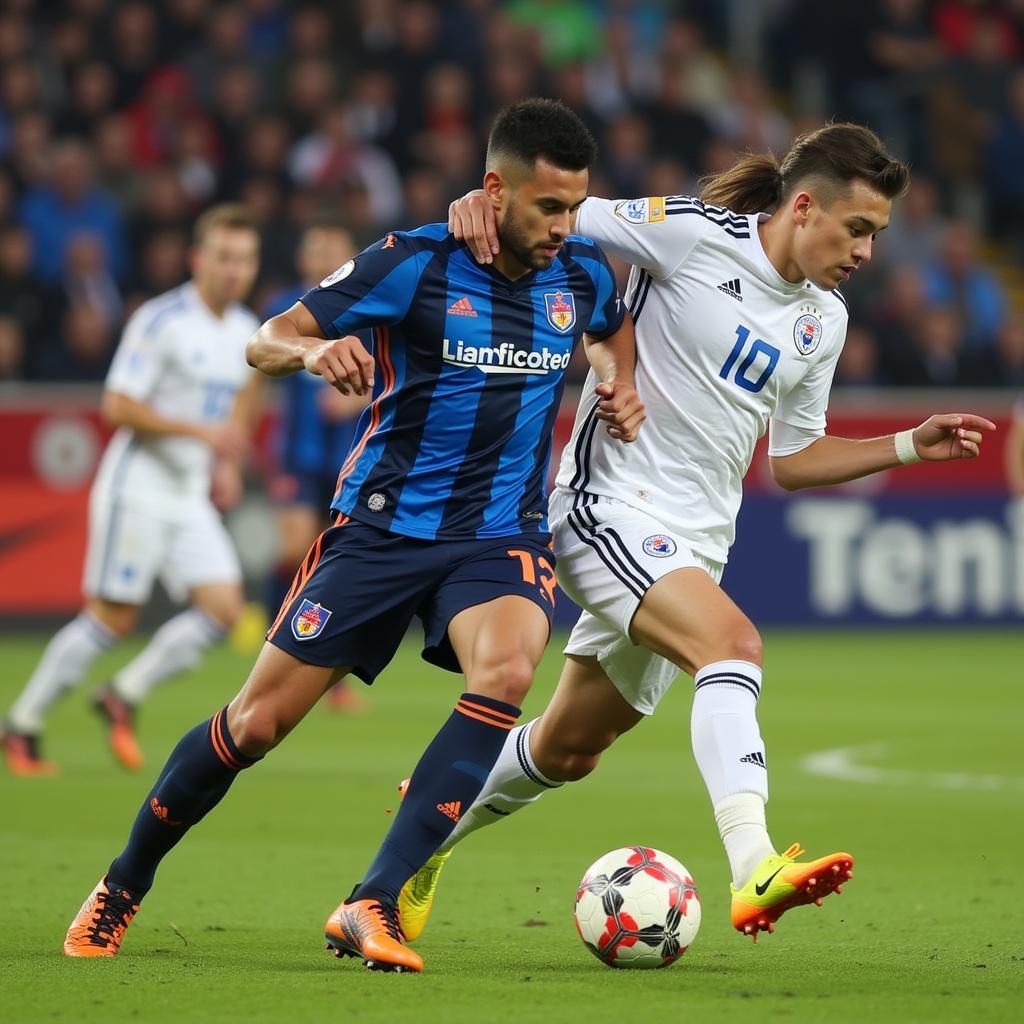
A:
x,y
731,288
451,809
755,758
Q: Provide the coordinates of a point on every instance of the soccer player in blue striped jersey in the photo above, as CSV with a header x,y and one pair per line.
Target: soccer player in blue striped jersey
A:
x,y
440,510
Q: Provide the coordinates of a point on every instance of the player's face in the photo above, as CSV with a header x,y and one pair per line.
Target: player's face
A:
x,y
323,250
832,243
537,213
225,265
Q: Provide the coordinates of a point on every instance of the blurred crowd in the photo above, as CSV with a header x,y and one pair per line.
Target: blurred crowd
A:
x,y
120,121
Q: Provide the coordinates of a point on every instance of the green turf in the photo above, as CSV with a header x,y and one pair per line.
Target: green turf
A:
x,y
928,930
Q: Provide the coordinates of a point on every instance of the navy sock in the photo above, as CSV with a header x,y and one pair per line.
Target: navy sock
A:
x,y
198,773
446,781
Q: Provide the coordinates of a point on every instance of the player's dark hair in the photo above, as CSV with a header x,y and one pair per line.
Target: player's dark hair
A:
x,y
836,154
536,128
224,215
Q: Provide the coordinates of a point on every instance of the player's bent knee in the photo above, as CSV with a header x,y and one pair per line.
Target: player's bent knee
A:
x,y
508,680
254,730
746,645
566,766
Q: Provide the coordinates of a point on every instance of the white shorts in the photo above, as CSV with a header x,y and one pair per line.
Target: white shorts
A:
x,y
130,547
609,555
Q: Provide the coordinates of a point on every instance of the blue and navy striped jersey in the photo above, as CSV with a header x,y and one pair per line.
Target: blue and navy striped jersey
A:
x,y
470,368
307,440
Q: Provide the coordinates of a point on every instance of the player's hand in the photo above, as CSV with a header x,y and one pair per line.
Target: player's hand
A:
x,y
620,407
225,484
951,436
343,362
471,220
228,440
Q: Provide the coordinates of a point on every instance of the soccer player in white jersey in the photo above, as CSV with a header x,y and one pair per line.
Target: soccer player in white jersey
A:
x,y
739,325
182,398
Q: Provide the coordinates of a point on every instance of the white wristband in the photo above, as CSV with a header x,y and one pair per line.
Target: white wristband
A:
x,y
905,450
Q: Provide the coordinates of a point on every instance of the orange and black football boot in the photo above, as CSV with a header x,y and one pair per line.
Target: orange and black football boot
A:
x,y
24,758
369,929
120,718
99,926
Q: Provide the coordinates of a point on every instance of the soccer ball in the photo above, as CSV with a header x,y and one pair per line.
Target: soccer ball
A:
x,y
637,907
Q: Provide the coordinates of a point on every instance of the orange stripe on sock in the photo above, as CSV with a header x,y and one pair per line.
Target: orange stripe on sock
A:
x,y
484,709
481,718
219,746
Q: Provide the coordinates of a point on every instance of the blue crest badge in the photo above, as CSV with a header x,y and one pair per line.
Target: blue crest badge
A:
x,y
807,333
659,546
309,621
561,310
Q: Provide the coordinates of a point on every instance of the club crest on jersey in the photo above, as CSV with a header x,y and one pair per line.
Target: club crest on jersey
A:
x,y
659,546
338,275
650,210
561,310
309,621
807,331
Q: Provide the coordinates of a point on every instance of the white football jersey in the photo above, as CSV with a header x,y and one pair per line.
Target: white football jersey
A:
x,y
187,364
724,345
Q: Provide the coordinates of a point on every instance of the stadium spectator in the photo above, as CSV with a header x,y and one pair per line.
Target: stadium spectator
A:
x,y
1003,163
67,205
34,306
12,349
957,279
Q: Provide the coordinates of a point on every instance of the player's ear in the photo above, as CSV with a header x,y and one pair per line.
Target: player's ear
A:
x,y
494,187
802,203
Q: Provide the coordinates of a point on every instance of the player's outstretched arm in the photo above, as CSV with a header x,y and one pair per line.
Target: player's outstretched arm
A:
x,y
294,341
121,410
834,460
614,361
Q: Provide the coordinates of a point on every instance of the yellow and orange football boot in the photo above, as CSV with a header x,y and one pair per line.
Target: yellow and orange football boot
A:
x,y
120,718
23,756
368,929
781,882
99,926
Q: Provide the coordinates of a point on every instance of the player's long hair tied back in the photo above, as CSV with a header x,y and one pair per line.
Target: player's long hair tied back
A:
x,y
835,154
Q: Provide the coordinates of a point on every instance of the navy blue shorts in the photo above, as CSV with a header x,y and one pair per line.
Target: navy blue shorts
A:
x,y
357,592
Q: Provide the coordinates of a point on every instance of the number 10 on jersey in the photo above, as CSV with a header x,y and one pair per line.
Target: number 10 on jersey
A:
x,y
758,348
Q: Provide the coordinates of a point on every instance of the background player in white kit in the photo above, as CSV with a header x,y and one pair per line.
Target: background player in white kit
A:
x,y
739,326
182,397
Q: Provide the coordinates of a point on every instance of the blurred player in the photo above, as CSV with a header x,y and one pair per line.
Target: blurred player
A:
x,y
315,432
440,513
739,325
182,398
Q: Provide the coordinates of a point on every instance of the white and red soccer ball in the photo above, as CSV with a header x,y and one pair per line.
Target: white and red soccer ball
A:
x,y
637,907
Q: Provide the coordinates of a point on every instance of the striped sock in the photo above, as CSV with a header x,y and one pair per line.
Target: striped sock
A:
x,y
198,773
444,785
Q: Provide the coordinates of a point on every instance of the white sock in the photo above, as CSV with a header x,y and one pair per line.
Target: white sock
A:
x,y
729,751
513,783
177,645
68,656
740,820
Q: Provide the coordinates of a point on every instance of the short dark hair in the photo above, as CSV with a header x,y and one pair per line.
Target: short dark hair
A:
x,y
540,128
224,215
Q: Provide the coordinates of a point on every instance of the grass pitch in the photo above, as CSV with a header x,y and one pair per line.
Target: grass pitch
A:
x,y
929,726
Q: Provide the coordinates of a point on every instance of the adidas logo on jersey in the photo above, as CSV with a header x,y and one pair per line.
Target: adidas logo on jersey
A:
x,y
732,289
461,307
755,758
